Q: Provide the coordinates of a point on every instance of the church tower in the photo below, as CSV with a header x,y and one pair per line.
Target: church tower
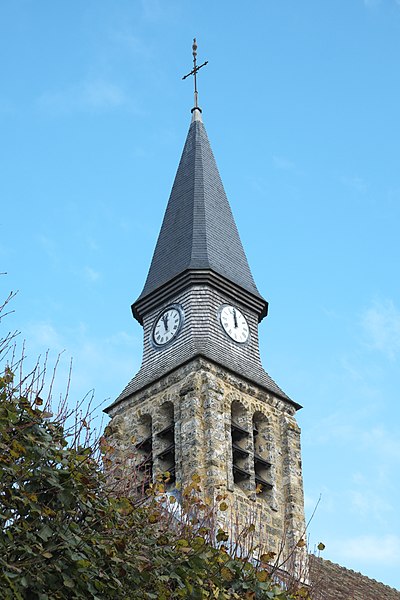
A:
x,y
201,403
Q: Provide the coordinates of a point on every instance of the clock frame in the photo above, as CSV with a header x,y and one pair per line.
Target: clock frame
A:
x,y
167,326
234,323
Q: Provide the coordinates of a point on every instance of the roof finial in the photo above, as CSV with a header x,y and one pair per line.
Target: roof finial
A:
x,y
194,73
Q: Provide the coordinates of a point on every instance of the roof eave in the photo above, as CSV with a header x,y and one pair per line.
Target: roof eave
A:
x,y
125,396
180,282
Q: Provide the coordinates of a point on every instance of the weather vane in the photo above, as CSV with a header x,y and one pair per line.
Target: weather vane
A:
x,y
194,73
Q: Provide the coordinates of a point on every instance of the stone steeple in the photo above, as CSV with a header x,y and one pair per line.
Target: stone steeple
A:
x,y
202,402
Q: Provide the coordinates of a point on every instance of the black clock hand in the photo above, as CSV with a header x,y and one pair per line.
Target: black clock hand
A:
x,y
165,321
235,318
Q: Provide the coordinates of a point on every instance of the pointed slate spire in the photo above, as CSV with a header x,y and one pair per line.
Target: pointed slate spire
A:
x,y
198,231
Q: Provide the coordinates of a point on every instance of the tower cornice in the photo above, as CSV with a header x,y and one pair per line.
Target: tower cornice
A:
x,y
203,362
192,277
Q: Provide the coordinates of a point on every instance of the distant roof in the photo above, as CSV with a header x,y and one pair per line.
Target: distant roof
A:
x,y
198,230
333,582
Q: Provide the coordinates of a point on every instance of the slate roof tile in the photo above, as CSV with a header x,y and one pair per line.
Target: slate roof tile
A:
x,y
333,582
198,230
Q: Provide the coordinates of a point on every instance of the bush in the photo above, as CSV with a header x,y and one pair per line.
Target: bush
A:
x,y
67,533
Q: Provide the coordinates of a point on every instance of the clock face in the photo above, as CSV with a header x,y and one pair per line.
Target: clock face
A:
x,y
234,323
167,325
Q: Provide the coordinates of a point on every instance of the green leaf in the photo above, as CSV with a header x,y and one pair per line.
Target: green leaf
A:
x,y
68,582
83,564
45,533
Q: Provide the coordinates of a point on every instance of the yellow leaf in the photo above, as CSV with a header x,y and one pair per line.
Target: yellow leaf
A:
x,y
227,574
200,541
223,506
267,556
160,488
154,517
222,536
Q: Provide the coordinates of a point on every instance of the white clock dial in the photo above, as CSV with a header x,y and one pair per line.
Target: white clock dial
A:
x,y
234,323
167,326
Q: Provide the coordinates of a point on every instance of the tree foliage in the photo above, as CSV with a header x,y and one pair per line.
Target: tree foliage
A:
x,y
66,534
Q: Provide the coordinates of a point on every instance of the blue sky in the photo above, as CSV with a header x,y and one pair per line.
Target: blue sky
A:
x,y
301,104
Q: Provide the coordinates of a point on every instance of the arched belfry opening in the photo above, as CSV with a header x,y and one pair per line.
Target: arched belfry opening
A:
x,y
164,444
262,456
144,453
241,446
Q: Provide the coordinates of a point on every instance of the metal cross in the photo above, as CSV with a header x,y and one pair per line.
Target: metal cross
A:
x,y
194,71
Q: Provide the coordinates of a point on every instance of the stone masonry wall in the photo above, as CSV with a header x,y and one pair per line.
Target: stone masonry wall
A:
x,y
202,398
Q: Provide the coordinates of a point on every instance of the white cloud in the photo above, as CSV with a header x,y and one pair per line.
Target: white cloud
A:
x,y
131,42
382,442
329,428
321,500
376,3
381,324
159,10
367,503
49,246
90,274
355,183
105,363
370,549
378,442
45,336
97,95
152,10
102,94
309,502
92,244
280,162
372,3
6,107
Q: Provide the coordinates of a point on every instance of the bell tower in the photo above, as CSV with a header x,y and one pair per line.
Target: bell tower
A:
x,y
202,402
